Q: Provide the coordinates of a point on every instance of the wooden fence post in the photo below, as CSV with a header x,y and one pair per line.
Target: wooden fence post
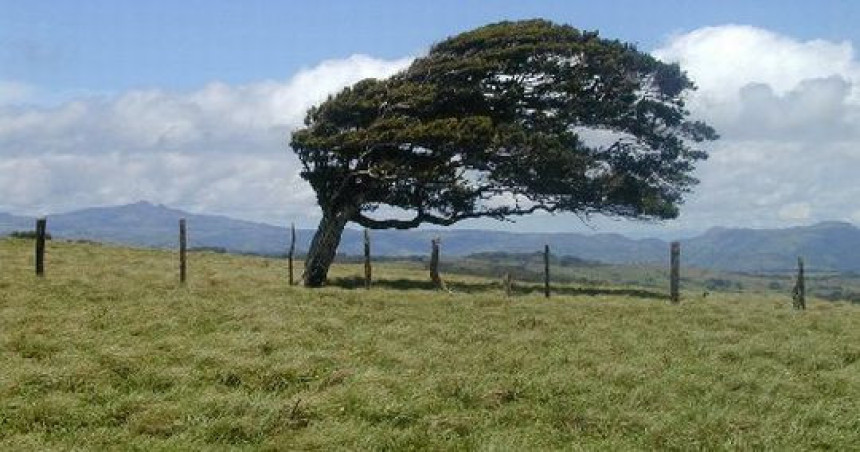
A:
x,y
546,271
509,284
367,268
675,273
41,224
798,295
434,265
291,251
183,243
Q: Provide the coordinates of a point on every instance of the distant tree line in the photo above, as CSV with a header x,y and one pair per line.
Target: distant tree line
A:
x,y
27,235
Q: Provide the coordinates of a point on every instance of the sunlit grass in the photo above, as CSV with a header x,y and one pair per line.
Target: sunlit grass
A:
x,y
110,351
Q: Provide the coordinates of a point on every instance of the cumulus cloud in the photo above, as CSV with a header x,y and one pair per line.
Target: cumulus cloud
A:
x,y
219,149
726,58
789,115
817,109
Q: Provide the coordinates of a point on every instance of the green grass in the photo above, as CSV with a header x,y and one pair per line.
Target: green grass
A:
x,y
108,351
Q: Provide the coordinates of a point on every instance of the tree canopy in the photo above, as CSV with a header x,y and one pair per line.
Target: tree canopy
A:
x,y
505,120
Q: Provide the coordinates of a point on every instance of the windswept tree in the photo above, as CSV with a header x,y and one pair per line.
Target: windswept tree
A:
x,y
505,120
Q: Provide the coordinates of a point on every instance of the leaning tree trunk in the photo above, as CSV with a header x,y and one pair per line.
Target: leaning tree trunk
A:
x,y
324,245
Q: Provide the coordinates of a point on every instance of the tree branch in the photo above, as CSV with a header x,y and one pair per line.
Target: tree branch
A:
x,y
422,217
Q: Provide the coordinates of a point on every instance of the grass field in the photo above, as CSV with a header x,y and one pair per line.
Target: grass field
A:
x,y
108,351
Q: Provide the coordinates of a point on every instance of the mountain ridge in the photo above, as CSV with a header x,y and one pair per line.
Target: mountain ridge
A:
x,y
829,245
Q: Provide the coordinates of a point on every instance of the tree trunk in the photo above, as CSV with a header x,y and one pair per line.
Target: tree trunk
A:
x,y
324,245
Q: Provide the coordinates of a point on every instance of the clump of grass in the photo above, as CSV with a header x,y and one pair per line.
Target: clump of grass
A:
x,y
108,350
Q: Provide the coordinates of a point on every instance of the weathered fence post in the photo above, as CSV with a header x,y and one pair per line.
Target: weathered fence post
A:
x,y
41,224
434,265
509,284
367,268
183,242
546,271
291,251
675,272
798,295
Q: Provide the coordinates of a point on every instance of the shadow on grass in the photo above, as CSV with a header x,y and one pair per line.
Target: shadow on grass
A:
x,y
595,291
473,287
411,284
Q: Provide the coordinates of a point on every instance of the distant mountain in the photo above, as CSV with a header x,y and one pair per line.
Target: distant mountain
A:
x,y
825,246
149,225
9,223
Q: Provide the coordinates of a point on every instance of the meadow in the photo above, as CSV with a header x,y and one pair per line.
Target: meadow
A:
x,y
109,351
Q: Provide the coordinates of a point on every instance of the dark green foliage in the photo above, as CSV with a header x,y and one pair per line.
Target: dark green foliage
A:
x,y
501,121
210,249
505,120
722,284
27,235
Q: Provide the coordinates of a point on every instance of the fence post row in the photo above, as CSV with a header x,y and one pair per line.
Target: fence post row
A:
x,y
675,272
367,268
546,271
798,295
291,252
183,242
798,292
41,228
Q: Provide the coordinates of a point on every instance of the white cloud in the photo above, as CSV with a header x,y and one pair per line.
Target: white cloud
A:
x,y
724,59
218,149
248,186
788,112
795,211
12,92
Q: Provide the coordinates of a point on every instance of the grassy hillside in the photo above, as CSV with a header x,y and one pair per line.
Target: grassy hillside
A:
x,y
108,351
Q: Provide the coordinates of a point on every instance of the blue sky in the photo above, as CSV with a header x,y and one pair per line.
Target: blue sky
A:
x,y
190,103
67,47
